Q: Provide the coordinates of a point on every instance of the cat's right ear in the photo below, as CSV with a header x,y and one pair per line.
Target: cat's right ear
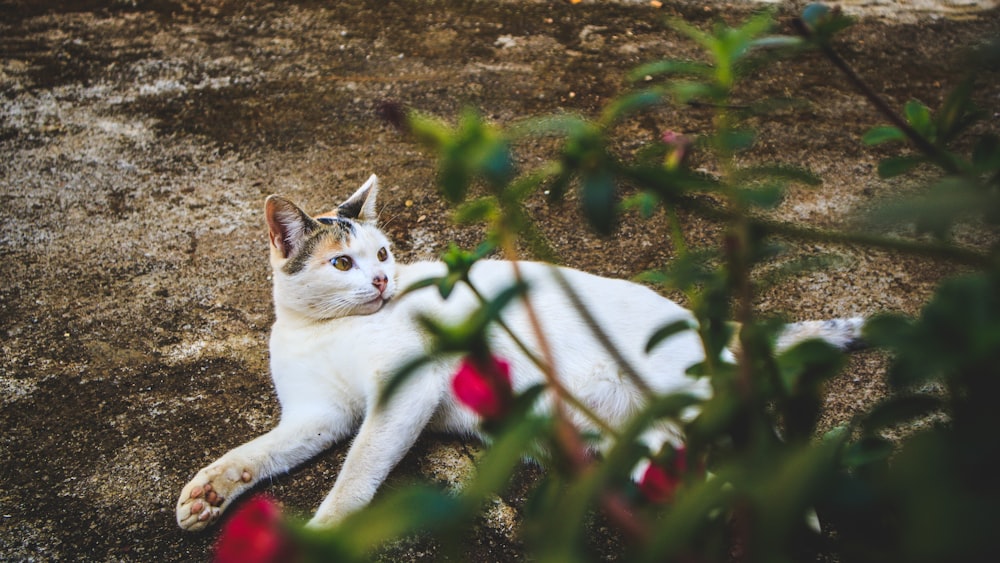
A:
x,y
361,205
287,223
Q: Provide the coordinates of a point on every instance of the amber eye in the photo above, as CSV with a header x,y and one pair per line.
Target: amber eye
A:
x,y
383,254
342,263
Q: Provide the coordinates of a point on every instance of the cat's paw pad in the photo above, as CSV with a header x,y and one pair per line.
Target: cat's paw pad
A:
x,y
203,499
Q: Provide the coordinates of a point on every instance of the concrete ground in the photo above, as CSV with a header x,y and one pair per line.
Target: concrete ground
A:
x,y
138,139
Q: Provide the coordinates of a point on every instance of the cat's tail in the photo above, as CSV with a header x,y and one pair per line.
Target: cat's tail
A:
x,y
844,334
841,333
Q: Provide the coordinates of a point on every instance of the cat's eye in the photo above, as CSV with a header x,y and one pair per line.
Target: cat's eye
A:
x,y
383,254
342,263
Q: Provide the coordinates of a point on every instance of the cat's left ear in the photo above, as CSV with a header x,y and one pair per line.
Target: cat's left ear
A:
x,y
361,205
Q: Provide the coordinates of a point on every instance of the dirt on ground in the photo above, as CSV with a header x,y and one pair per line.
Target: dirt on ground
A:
x,y
140,137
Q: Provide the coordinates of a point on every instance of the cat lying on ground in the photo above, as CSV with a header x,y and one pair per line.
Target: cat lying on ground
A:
x,y
342,328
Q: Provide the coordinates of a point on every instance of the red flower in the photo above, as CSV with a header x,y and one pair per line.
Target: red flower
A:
x,y
255,535
660,481
484,386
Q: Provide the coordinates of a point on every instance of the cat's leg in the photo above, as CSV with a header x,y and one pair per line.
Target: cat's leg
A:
x,y
291,442
385,436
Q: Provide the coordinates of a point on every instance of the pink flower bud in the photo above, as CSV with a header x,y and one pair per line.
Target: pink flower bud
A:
x,y
677,148
255,535
484,386
671,137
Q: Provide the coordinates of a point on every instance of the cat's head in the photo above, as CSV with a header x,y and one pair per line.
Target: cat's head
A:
x,y
331,265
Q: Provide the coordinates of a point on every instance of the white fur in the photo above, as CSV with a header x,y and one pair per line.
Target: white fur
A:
x,y
334,345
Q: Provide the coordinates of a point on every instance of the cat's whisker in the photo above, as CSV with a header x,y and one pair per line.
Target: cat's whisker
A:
x,y
387,222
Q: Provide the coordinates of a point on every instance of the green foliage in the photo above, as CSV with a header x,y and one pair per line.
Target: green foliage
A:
x,y
928,496
969,188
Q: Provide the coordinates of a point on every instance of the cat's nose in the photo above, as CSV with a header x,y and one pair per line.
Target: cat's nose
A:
x,y
380,281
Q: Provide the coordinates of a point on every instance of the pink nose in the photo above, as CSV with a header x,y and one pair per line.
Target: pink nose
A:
x,y
380,281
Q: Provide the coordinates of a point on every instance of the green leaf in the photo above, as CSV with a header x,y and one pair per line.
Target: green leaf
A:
x,y
482,209
768,106
685,91
400,377
897,410
706,40
898,165
814,14
824,22
766,197
490,311
584,148
690,514
562,124
631,103
405,512
504,455
865,452
777,42
736,140
808,363
684,272
645,202
796,267
919,117
887,330
598,199
760,22
951,199
779,172
883,134
837,434
559,184
985,55
789,489
957,112
666,331
427,282
986,154
453,173
685,68
496,164
429,131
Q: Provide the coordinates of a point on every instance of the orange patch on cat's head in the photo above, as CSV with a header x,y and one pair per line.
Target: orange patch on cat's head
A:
x,y
323,242
328,215
328,246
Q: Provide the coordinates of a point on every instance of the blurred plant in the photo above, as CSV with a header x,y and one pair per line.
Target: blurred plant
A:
x,y
928,496
661,478
256,534
483,385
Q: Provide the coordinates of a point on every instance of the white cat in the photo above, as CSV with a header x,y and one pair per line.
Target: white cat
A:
x,y
342,328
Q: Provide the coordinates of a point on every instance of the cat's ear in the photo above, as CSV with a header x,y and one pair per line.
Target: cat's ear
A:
x,y
287,223
361,205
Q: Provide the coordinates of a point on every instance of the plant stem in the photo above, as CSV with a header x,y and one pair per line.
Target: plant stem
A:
x,y
599,333
929,249
925,146
552,381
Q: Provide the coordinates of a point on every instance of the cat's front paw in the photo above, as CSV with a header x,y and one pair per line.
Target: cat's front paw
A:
x,y
324,521
203,499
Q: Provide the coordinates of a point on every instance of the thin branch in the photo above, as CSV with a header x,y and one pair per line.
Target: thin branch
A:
x,y
878,101
709,105
948,252
599,333
553,382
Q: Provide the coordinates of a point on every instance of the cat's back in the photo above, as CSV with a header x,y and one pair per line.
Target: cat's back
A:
x,y
555,285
